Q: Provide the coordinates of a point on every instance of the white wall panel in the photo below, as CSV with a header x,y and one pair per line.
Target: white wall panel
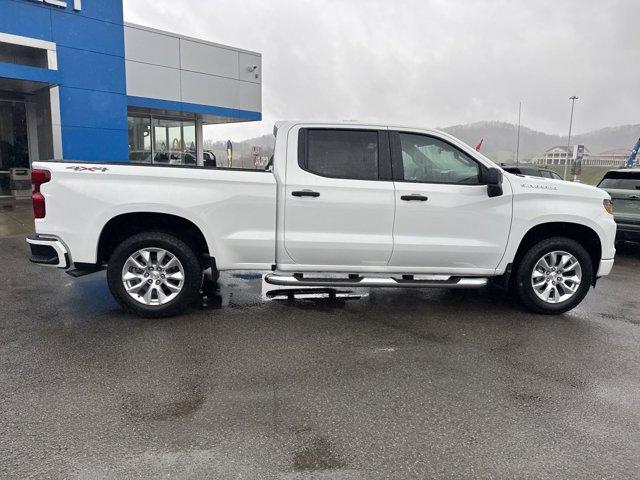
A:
x,y
249,96
203,58
151,47
209,90
153,81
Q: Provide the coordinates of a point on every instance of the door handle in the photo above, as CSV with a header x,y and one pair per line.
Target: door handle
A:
x,y
634,197
414,198
305,193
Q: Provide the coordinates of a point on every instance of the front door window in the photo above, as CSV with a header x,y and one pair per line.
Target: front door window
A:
x,y
430,160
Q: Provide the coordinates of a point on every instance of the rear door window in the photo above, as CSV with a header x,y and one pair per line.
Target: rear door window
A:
x,y
347,154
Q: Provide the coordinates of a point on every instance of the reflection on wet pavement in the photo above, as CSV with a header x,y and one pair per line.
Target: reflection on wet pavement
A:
x,y
381,384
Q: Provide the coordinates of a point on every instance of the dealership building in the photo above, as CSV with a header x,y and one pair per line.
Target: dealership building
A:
x,y
78,83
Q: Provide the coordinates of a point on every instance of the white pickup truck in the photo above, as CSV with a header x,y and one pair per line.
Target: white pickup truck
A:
x,y
342,205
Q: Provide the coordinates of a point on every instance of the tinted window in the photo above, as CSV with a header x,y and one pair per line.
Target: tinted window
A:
x,y
621,181
351,154
532,172
430,160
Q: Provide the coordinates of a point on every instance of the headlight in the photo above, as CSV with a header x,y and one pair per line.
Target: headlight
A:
x,y
608,206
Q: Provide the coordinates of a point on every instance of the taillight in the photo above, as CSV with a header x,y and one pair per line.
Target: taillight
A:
x,y
38,177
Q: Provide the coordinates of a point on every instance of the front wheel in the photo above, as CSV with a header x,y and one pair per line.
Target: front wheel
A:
x,y
153,274
554,276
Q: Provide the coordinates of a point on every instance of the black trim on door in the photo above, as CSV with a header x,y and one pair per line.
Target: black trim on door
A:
x,y
385,170
305,193
414,198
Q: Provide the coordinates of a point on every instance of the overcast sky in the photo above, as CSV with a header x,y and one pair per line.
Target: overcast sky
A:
x,y
431,63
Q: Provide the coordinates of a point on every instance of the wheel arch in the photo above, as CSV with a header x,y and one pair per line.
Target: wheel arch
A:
x,y
125,225
584,235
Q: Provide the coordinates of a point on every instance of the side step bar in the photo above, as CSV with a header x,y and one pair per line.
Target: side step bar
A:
x,y
438,281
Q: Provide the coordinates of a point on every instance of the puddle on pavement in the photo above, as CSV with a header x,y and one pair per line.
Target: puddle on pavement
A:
x,y
185,405
317,456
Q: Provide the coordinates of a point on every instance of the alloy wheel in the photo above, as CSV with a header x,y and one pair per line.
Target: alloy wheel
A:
x,y
153,276
556,277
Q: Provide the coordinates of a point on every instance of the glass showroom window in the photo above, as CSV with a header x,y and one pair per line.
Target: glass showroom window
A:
x,y
140,139
174,141
162,140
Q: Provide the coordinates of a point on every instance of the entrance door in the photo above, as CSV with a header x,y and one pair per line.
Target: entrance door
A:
x,y
338,208
445,220
14,141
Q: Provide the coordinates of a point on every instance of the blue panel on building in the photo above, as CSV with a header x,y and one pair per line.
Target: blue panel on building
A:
x,y
173,106
23,72
20,17
83,33
103,10
83,68
96,144
93,109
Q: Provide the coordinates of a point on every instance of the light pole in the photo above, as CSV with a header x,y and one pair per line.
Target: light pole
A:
x,y
518,140
566,163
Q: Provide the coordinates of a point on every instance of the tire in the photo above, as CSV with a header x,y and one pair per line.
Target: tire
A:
x,y
170,259
565,284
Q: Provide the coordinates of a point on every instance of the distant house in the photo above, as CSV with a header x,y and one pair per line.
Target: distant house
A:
x,y
558,155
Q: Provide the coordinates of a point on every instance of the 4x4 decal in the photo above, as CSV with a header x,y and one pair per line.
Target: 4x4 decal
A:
x,y
88,169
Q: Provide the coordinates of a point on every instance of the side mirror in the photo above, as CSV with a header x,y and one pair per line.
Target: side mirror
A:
x,y
492,177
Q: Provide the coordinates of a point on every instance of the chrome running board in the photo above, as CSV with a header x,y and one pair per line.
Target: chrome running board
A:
x,y
355,281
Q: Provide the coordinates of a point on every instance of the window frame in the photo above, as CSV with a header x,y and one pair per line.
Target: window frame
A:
x,y
384,153
169,149
398,165
150,125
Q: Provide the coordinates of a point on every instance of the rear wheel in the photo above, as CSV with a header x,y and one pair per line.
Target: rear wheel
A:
x,y
153,274
554,276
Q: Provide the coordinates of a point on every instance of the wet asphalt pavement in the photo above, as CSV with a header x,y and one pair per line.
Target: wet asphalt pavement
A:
x,y
398,384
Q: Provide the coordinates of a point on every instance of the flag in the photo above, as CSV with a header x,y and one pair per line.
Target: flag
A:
x,y
631,161
479,146
229,153
578,156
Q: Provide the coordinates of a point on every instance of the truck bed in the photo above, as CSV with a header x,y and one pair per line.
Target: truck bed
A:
x,y
82,198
